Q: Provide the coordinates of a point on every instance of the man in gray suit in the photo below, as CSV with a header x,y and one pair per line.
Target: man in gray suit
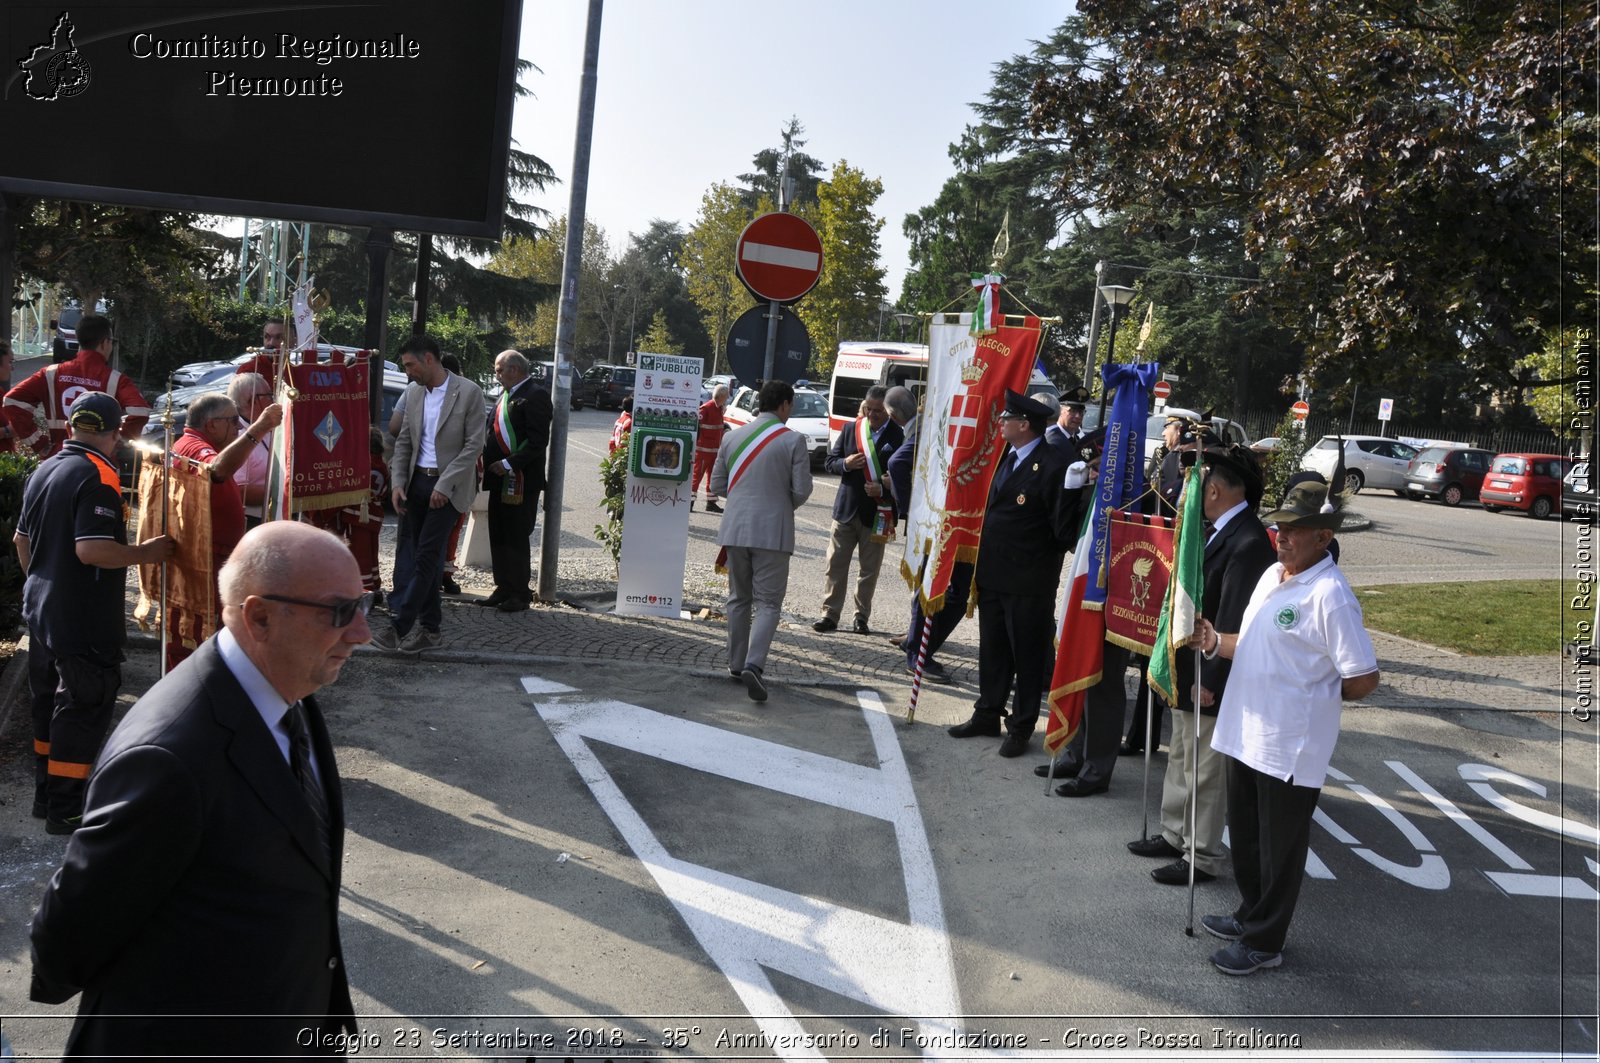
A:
x,y
763,470
434,472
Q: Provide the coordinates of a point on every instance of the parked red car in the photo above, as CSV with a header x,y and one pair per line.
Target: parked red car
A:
x,y
1530,482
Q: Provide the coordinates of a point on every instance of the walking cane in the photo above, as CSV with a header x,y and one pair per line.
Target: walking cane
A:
x,y
922,660
1194,786
166,509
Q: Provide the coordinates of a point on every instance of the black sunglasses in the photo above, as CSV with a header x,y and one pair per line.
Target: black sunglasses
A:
x,y
344,612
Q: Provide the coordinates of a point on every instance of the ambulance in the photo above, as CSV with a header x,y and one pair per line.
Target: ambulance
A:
x,y
858,366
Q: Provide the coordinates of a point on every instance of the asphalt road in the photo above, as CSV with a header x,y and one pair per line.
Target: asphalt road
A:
x,y
604,859
573,850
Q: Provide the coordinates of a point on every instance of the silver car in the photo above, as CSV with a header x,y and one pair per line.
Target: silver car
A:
x,y
1369,461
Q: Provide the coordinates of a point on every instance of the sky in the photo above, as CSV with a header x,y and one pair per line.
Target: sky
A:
x,y
689,90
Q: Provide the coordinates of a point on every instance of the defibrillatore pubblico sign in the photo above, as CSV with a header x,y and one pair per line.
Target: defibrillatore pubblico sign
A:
x,y
393,113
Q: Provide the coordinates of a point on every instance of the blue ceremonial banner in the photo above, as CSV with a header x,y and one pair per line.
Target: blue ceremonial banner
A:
x,y
1122,463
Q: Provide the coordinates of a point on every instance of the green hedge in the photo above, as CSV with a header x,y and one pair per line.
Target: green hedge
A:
x,y
14,472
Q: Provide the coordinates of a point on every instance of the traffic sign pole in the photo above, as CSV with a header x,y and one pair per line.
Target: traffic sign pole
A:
x,y
774,310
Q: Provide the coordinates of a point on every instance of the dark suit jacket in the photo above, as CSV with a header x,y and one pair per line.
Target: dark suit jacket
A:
x,y
1030,524
531,414
196,884
852,503
1235,558
902,464
1066,445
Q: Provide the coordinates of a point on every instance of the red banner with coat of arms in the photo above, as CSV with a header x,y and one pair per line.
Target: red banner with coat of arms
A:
x,y
1137,575
959,443
331,454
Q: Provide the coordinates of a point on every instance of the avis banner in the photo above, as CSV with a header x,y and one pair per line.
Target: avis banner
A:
x,y
331,418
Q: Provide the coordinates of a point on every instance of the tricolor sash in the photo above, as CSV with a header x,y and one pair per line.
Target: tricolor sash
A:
x,y
883,519
504,432
746,452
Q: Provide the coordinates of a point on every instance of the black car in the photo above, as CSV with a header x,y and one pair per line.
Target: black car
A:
x,y
611,383
543,374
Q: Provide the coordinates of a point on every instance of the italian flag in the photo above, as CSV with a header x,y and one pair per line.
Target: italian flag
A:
x,y
1080,649
1182,606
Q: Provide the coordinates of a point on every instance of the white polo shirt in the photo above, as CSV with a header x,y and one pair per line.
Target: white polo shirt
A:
x,y
1301,637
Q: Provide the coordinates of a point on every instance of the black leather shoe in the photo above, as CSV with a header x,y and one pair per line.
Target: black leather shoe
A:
x,y
511,605
1079,788
1155,845
1177,874
1014,745
448,585
825,625
931,673
859,626
494,599
1064,770
712,507
980,726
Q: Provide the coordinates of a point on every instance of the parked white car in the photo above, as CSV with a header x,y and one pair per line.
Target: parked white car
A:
x,y
1369,461
809,417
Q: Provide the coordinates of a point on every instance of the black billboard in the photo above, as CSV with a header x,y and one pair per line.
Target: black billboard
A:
x,y
388,113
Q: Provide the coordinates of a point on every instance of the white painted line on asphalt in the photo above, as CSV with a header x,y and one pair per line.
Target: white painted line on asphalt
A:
x,y
534,684
902,969
1460,818
1564,886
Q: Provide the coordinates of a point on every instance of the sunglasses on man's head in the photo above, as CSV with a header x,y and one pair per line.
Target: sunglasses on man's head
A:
x,y
344,611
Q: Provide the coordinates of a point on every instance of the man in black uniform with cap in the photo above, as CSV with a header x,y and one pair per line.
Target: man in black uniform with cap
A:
x,y
1032,520
1067,433
72,542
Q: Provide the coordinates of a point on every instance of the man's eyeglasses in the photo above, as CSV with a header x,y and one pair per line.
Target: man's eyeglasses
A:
x,y
344,612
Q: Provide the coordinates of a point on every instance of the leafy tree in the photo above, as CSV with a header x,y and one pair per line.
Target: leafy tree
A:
x,y
707,259
845,302
1552,377
658,339
652,280
540,261
1396,171
805,172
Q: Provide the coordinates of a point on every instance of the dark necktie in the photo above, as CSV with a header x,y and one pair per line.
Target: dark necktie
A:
x,y
300,759
1007,463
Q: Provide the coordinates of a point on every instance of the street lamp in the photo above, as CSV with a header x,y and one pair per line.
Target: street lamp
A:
x,y
1116,296
904,320
884,307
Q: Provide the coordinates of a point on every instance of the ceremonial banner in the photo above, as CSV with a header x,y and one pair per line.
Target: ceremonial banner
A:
x,y
959,444
1182,603
1136,579
1121,465
191,590
1080,650
655,515
325,431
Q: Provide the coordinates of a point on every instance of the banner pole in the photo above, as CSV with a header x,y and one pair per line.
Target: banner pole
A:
x,y
1149,744
1194,788
166,508
922,660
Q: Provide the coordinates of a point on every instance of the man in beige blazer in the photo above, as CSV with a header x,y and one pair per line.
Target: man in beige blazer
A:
x,y
763,470
434,472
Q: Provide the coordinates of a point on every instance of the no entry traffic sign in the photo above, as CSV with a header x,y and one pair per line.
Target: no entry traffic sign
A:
x,y
1300,409
1161,390
779,257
